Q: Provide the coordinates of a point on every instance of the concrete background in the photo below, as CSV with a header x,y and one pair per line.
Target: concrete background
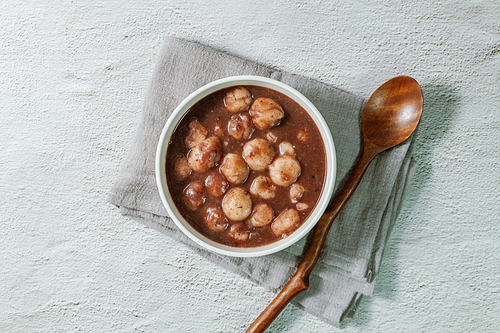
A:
x,y
72,79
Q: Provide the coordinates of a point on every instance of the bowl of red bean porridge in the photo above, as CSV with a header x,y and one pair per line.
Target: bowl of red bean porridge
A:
x,y
245,166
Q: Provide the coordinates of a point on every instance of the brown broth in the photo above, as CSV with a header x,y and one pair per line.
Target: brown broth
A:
x,y
211,112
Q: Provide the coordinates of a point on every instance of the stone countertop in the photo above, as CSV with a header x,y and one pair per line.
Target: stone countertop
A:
x,y
72,80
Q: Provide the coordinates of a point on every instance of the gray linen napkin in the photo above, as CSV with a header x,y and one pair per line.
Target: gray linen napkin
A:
x,y
350,261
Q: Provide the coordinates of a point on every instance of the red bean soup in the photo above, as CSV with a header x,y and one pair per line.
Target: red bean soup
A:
x,y
246,166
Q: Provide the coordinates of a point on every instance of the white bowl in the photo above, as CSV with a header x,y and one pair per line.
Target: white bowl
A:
x,y
175,118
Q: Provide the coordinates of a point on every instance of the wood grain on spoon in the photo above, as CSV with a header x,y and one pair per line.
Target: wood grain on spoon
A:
x,y
389,117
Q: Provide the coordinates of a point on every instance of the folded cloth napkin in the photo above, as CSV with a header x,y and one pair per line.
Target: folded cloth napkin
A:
x,y
350,262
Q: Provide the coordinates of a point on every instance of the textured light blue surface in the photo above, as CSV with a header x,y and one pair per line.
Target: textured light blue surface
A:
x,y
72,80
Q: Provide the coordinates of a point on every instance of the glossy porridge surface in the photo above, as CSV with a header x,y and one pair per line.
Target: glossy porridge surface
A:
x,y
225,165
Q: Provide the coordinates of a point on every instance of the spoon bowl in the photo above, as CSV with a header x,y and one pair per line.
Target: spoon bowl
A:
x,y
389,117
392,112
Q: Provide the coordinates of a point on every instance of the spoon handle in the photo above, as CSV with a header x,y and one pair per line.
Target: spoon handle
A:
x,y
300,280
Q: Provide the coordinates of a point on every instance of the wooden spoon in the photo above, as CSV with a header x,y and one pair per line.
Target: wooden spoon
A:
x,y
389,117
